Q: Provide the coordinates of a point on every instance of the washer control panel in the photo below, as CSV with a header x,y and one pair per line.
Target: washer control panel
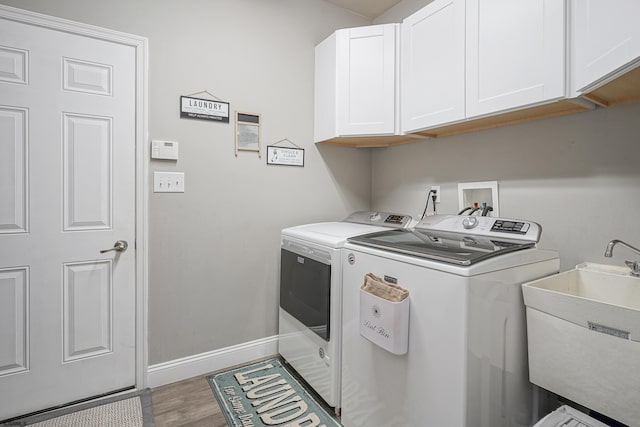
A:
x,y
518,227
514,229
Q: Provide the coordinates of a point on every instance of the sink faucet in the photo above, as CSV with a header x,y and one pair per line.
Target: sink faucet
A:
x,y
633,265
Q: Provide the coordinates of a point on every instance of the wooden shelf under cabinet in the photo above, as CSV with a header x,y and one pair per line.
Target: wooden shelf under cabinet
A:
x,y
372,141
553,109
525,115
623,90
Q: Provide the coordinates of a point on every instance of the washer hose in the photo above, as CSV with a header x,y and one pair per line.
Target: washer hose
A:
x,y
486,210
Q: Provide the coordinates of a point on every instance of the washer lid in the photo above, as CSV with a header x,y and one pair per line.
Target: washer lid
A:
x,y
454,248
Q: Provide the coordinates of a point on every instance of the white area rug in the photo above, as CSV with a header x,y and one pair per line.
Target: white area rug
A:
x,y
130,410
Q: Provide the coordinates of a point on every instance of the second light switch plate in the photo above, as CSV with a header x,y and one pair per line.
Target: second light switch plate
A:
x,y
168,182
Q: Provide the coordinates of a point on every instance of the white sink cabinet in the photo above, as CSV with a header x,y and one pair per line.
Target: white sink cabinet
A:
x,y
356,84
605,41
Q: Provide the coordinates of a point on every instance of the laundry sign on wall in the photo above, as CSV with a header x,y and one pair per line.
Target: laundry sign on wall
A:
x,y
204,109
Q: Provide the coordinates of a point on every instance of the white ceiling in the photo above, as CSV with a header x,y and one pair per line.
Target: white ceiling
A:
x,y
368,8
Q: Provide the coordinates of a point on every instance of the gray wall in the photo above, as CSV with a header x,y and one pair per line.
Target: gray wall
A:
x,y
577,175
214,250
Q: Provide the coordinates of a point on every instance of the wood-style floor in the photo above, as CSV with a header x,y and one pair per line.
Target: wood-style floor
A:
x,y
189,403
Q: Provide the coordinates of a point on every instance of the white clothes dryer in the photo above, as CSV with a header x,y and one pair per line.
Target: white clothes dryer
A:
x,y
310,314
466,363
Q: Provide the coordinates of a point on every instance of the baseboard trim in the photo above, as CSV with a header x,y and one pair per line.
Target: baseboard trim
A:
x,y
200,364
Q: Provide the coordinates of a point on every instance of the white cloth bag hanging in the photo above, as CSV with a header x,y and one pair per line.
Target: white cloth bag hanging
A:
x,y
384,314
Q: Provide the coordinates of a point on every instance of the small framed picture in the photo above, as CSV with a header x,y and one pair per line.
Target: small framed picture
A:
x,y
285,156
247,132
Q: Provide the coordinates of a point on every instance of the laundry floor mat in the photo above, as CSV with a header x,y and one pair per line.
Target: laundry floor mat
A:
x,y
267,394
128,410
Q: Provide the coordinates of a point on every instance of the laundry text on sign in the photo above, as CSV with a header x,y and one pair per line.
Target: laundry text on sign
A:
x,y
276,402
205,109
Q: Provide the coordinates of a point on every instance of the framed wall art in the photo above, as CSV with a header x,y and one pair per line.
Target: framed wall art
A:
x,y
204,109
285,156
247,132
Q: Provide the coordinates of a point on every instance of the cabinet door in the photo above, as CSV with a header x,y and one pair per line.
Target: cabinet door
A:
x,y
366,80
325,126
433,65
515,54
605,37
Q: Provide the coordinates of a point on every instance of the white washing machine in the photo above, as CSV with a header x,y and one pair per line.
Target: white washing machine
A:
x,y
569,417
310,316
466,363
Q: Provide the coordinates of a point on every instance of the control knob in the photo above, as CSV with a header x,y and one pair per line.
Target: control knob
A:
x,y
470,222
374,216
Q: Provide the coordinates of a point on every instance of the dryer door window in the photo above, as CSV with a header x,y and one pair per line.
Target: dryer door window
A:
x,y
305,291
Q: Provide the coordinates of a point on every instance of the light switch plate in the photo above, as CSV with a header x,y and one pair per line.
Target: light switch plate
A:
x,y
168,182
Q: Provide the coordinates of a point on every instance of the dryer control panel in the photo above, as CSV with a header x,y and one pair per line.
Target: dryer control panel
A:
x,y
382,219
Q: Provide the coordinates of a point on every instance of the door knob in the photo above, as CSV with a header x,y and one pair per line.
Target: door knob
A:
x,y
119,246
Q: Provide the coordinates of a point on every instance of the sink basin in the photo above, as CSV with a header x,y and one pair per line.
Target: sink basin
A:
x,y
604,298
583,334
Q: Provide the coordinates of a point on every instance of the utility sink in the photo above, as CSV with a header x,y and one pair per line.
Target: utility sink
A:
x,y
603,298
583,334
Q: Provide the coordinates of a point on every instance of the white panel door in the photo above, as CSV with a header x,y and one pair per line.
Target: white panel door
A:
x,y
605,36
432,69
515,54
67,175
366,80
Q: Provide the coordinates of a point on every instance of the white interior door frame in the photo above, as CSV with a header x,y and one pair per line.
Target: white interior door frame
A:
x,y
140,44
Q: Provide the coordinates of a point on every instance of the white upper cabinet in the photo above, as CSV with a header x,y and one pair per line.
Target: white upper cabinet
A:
x,y
605,41
356,83
515,54
432,55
